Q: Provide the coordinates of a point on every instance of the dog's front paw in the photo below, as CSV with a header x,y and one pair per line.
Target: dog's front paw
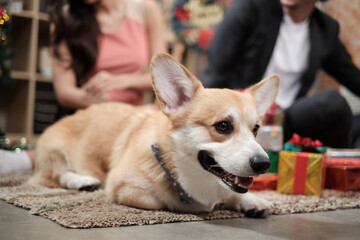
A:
x,y
85,183
254,206
251,205
72,180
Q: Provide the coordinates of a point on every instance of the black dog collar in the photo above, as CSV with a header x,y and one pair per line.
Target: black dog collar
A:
x,y
184,197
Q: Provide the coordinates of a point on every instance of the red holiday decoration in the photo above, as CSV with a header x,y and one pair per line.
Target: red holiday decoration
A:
x,y
205,37
304,142
182,14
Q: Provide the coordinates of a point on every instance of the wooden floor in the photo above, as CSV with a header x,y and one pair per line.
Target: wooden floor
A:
x,y
19,224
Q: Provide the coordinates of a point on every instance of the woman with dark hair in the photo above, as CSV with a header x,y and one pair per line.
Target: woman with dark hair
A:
x,y
102,49
101,52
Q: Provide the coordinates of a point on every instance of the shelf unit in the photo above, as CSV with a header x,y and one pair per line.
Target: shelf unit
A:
x,y
29,33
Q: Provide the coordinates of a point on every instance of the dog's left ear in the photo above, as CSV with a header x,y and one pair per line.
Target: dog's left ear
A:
x,y
265,93
174,85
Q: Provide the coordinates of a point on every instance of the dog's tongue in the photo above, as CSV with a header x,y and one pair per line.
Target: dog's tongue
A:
x,y
244,182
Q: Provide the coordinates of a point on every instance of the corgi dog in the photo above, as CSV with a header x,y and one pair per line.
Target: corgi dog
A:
x,y
197,152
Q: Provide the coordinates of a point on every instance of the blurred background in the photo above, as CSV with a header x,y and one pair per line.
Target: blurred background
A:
x,y
27,101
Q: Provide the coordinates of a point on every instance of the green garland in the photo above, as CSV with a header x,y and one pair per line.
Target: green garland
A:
x,y
16,145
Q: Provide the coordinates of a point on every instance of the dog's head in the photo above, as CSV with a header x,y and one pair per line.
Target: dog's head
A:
x,y
214,129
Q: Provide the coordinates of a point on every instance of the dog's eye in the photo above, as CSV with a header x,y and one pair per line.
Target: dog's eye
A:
x,y
255,129
224,127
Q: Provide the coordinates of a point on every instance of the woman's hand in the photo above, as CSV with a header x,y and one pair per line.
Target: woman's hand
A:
x,y
103,82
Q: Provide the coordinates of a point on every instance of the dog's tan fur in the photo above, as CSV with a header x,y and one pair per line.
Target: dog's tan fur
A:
x,y
111,142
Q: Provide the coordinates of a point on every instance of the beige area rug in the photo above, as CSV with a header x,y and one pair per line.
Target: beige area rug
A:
x,y
75,209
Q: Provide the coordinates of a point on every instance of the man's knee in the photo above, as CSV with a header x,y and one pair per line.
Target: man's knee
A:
x,y
323,112
319,109
335,106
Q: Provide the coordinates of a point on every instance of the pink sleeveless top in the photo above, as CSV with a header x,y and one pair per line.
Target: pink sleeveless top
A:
x,y
125,51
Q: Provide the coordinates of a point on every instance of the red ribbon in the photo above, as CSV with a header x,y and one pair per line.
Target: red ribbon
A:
x,y
301,162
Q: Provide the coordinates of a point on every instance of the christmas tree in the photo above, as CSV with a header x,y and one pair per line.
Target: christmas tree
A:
x,y
5,54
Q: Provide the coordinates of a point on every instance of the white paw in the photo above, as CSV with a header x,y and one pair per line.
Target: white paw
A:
x,y
252,205
72,180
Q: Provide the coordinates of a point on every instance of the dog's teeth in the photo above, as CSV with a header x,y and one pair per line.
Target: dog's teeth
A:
x,y
236,180
231,177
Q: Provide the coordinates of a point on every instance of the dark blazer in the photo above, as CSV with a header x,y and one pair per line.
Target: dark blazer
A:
x,y
244,42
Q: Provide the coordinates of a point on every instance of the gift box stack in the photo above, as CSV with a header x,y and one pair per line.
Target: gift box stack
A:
x,y
303,165
306,167
271,139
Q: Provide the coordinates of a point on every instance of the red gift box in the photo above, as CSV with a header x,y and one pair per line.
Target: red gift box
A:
x,y
343,174
266,181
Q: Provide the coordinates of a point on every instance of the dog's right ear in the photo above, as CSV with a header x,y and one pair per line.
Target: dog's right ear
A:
x,y
174,85
265,93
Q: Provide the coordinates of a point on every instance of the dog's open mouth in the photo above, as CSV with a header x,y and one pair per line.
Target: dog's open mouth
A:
x,y
235,183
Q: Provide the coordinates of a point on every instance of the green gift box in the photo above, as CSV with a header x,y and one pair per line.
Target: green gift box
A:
x,y
274,159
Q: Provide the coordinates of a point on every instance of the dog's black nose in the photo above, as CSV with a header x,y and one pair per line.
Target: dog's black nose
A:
x,y
260,164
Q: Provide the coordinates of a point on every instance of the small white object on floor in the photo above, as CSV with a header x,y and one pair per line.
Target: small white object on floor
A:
x,y
14,161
